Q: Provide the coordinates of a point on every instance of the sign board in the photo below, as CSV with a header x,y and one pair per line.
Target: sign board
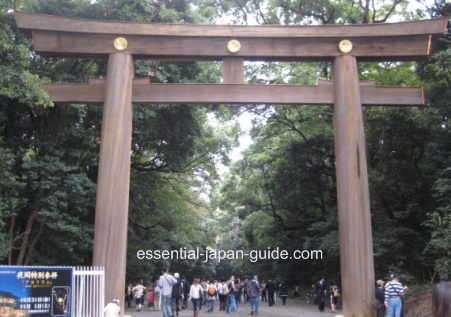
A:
x,y
35,291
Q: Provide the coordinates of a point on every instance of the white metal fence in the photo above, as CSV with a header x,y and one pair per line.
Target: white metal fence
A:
x,y
88,295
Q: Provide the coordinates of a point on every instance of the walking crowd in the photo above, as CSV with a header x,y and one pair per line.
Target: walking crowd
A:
x,y
173,293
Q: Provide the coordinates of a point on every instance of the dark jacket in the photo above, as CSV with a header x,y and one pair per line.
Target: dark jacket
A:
x,y
271,287
177,290
283,290
380,295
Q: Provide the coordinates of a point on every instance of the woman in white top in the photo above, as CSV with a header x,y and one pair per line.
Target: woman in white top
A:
x,y
195,294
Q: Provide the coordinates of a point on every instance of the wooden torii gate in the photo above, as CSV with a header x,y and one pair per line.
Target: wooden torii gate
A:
x,y
343,45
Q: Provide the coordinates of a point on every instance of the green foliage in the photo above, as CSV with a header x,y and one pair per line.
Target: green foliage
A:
x,y
300,12
54,151
439,221
436,72
286,177
14,67
282,193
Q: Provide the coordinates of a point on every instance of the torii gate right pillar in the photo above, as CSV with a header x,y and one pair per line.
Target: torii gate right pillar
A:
x,y
356,247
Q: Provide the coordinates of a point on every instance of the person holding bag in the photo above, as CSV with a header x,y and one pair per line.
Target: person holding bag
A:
x,y
196,296
394,291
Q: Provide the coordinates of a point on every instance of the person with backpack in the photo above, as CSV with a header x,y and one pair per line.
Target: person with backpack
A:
x,y
222,294
186,288
253,291
176,295
211,296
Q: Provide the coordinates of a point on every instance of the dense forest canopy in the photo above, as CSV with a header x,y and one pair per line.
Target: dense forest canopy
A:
x,y
282,192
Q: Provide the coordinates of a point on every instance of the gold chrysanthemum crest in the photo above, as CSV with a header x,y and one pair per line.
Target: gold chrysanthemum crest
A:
x,y
233,46
345,46
120,43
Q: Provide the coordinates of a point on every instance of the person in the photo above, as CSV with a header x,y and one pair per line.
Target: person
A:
x,y
296,292
212,292
334,293
176,295
245,295
308,295
150,299
441,300
276,292
222,294
238,292
283,292
270,289
195,295
156,296
253,291
112,309
321,288
165,282
394,291
380,297
231,308
129,295
138,292
204,284
186,288
264,297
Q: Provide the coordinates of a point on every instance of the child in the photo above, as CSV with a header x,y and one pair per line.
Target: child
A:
x,y
307,297
150,299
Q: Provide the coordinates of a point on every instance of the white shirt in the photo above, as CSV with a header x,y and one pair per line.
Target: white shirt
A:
x,y
194,291
165,282
111,310
138,290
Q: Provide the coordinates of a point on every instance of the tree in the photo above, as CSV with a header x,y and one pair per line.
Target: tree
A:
x,y
54,150
276,177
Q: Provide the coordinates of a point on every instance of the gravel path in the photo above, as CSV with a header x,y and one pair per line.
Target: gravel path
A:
x,y
291,309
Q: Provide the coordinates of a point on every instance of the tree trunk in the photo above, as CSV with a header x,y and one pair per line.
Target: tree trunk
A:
x,y
33,244
24,245
11,234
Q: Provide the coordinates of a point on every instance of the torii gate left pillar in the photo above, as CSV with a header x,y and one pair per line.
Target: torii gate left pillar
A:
x,y
353,199
110,234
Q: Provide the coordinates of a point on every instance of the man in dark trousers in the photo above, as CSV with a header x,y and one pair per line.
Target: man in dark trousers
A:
x,y
321,288
271,288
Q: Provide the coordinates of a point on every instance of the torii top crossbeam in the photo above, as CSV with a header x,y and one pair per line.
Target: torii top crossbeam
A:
x,y
68,37
65,37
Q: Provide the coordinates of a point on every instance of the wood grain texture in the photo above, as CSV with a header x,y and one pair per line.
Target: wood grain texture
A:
x,y
323,94
356,247
64,44
111,219
34,21
233,70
